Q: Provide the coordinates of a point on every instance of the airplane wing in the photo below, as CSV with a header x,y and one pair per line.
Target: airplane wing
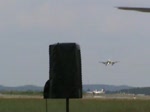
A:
x,y
141,9
103,62
114,62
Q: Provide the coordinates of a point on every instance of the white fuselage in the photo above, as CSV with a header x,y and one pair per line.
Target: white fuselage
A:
x,y
98,92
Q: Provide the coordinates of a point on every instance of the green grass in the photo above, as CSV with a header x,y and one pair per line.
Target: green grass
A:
x,y
76,105
111,106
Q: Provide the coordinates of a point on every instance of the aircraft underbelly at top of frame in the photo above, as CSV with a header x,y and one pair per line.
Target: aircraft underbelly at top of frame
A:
x,y
141,9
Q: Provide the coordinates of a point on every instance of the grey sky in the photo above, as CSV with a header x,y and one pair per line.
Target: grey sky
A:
x,y
28,27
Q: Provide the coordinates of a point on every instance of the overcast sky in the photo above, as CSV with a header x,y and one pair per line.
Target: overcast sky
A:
x,y
28,27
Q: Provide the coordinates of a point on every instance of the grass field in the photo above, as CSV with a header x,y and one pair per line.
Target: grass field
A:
x,y
76,105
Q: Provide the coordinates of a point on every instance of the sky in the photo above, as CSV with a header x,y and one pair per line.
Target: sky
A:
x,y
28,27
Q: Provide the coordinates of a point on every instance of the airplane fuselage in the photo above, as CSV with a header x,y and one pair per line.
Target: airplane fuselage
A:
x,y
98,92
109,62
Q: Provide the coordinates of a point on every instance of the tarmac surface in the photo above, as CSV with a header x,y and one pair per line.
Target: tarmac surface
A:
x,y
85,96
117,96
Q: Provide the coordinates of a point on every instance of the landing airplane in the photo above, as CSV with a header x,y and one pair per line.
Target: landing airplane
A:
x,y
141,9
95,92
109,62
98,92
